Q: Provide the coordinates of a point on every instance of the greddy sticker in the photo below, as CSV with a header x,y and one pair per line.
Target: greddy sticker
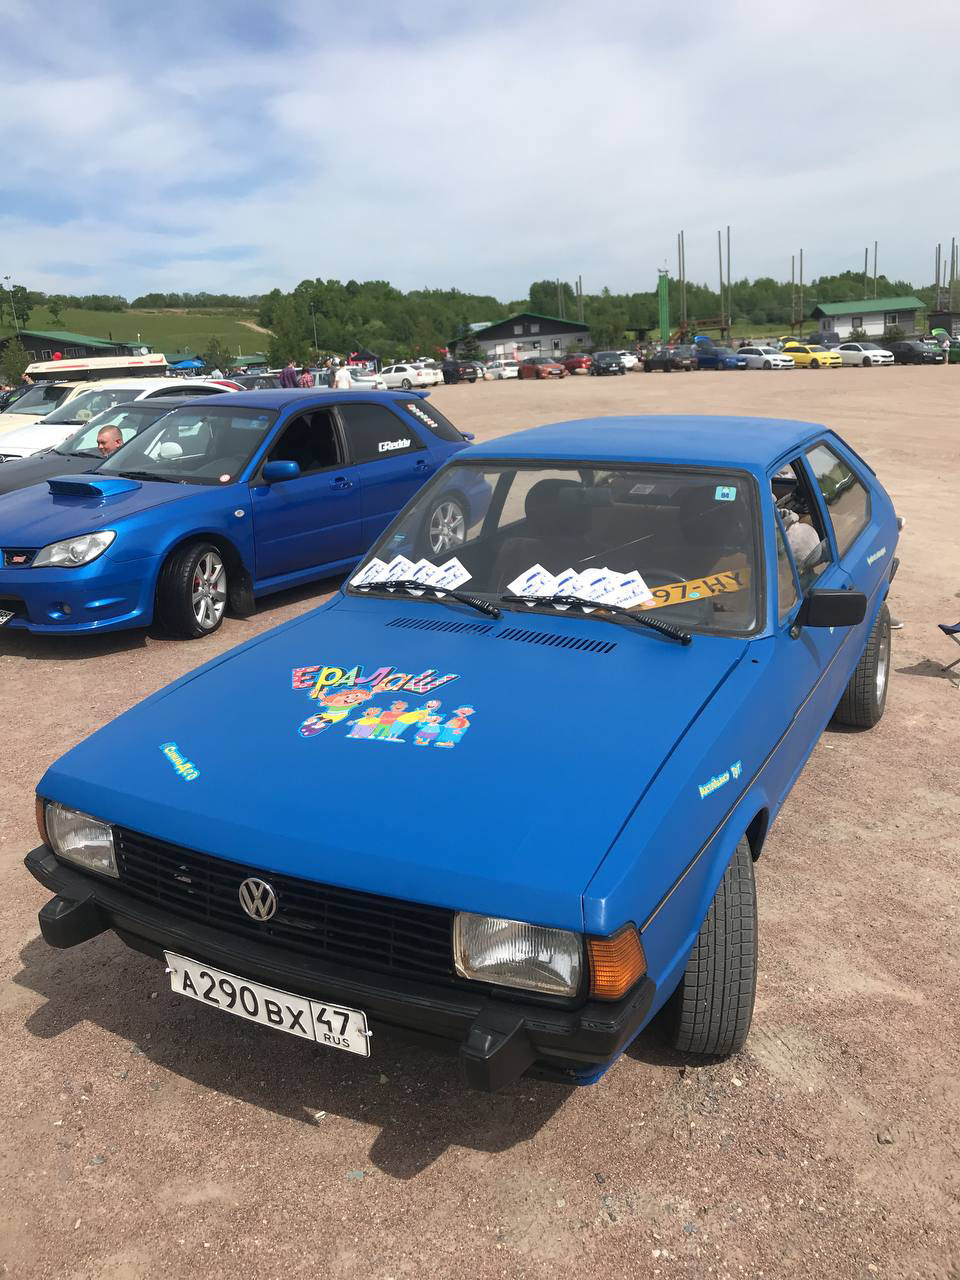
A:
x,y
368,707
187,770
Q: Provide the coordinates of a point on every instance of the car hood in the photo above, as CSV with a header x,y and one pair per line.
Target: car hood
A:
x,y
21,472
35,516
559,726
11,421
38,435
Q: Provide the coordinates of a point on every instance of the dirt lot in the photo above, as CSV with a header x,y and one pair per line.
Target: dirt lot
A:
x,y
145,1137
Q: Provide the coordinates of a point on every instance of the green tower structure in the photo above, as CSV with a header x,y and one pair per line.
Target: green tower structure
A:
x,y
663,305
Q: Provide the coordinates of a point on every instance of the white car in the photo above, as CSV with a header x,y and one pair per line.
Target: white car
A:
x,y
407,376
864,353
766,358
504,368
366,379
628,359
86,402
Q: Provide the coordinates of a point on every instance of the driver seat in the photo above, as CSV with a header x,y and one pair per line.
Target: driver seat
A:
x,y
554,526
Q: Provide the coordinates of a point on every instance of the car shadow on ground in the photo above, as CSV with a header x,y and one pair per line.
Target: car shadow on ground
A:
x,y
54,648
412,1095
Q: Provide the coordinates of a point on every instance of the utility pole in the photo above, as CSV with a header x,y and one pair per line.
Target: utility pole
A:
x,y
800,316
13,309
953,270
683,281
874,268
865,268
936,274
729,286
313,315
720,256
559,299
793,291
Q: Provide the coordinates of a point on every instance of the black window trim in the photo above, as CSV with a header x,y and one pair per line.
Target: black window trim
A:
x,y
401,422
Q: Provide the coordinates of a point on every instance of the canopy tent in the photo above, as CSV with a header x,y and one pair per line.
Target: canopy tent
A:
x,y
364,356
192,363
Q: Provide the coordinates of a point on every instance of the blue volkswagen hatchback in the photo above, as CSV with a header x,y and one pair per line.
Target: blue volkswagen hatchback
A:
x,y
595,710
219,502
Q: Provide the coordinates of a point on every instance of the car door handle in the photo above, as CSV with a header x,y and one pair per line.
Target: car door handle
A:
x,y
421,465
341,482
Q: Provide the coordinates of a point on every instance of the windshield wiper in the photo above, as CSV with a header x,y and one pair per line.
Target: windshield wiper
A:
x,y
438,593
143,475
579,602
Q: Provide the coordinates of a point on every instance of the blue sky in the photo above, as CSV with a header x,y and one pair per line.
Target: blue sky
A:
x,y
246,146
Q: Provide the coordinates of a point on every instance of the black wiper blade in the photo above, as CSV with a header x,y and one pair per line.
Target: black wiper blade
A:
x,y
143,475
579,602
438,593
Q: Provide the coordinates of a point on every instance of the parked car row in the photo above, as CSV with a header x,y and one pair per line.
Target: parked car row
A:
x,y
792,354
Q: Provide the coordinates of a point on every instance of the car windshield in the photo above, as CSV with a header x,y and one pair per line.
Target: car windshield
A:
x,y
606,355
89,403
129,419
816,348
867,346
206,445
39,399
681,542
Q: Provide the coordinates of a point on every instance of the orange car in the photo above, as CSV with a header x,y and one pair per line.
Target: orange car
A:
x,y
541,367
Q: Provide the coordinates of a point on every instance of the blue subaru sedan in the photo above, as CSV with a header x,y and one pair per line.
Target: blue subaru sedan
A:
x,y
599,703
220,501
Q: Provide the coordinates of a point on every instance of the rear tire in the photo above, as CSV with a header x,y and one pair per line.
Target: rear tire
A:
x,y
865,697
406,384
711,1009
192,591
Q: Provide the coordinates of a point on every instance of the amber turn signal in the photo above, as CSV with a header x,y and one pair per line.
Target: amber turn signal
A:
x,y
616,963
42,821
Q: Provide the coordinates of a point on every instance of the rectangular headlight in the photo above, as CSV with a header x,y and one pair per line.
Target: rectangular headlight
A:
x,y
81,839
511,953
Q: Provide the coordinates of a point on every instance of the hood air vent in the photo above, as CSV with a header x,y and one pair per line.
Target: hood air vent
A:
x,y
435,624
557,642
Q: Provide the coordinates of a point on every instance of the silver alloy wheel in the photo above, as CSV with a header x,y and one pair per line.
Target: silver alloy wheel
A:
x,y
883,665
209,590
447,527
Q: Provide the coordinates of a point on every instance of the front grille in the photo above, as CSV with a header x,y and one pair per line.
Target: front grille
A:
x,y
318,920
18,557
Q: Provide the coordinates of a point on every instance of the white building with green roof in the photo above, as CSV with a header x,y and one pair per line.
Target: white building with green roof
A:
x,y
874,316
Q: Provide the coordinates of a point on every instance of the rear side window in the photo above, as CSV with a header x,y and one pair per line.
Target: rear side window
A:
x,y
434,419
847,499
374,432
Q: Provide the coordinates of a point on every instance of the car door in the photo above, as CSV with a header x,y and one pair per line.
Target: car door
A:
x,y
314,519
390,458
863,530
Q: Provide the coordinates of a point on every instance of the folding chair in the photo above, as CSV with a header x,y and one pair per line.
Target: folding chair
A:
x,y
954,634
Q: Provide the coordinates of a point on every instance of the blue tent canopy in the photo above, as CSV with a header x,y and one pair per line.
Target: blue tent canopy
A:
x,y
188,364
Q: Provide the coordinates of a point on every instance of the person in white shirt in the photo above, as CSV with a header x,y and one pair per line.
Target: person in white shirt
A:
x,y
342,380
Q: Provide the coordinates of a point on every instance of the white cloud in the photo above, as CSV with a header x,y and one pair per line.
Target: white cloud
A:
x,y
482,151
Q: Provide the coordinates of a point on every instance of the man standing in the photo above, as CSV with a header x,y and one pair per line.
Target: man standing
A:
x,y
288,375
342,380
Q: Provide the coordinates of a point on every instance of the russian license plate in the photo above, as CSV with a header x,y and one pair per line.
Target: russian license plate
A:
x,y
327,1024
5,616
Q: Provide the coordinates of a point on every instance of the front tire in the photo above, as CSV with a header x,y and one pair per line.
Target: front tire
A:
x,y
814,364
192,591
406,384
865,697
867,362
711,1010
767,364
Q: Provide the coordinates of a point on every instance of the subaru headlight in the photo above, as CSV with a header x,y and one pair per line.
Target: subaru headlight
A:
x,y
73,552
510,953
79,838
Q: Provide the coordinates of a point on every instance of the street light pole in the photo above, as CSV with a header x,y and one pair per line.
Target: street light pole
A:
x,y
313,313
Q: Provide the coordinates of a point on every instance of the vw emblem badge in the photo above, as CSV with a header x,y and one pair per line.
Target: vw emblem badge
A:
x,y
258,899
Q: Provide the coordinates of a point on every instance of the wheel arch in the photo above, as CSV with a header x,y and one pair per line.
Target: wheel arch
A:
x,y
239,578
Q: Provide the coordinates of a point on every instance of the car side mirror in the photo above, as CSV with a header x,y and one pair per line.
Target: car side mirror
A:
x,y
826,607
281,469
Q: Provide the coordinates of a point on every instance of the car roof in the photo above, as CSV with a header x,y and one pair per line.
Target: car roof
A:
x,y
275,398
159,404
753,443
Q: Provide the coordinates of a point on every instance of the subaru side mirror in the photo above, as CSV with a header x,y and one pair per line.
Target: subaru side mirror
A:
x,y
281,469
825,607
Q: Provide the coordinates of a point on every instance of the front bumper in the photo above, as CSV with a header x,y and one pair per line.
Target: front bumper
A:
x,y
497,1037
105,595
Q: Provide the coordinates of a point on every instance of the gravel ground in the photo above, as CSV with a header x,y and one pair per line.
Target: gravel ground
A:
x,y
145,1137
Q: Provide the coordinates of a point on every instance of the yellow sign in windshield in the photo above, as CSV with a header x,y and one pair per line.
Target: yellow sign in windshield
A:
x,y
716,584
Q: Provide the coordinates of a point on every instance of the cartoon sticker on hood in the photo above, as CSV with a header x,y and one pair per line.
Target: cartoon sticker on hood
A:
x,y
344,693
